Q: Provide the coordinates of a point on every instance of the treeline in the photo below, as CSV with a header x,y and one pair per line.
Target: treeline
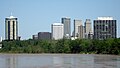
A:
x,y
109,46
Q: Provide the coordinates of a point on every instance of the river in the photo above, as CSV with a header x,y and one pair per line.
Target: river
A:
x,y
59,61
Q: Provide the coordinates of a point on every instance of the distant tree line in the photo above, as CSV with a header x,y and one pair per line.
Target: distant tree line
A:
x,y
109,46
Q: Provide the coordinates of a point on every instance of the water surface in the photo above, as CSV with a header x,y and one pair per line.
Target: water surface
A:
x,y
59,61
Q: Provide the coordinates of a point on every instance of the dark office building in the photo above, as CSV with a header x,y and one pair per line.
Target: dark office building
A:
x,y
104,28
44,35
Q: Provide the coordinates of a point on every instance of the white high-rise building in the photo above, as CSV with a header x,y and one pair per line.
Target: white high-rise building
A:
x,y
88,28
77,23
11,28
57,31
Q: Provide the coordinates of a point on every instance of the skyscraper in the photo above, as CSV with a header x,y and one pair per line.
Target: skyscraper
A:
x,y
104,28
57,31
88,28
77,23
11,28
81,32
67,27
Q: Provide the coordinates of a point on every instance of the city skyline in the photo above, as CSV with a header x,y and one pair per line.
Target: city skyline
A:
x,y
37,16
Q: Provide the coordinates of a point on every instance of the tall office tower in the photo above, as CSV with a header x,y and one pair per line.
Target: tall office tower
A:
x,y
76,24
81,32
88,28
11,28
44,35
67,27
104,28
57,31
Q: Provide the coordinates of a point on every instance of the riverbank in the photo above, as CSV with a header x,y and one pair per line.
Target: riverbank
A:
x,y
55,54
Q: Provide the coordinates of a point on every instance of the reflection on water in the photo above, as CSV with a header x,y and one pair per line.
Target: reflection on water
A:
x,y
11,62
58,61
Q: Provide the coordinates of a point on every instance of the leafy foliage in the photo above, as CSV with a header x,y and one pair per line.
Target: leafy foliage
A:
x,y
109,46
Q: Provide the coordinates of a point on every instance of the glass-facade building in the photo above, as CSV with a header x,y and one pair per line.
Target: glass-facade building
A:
x,y
67,27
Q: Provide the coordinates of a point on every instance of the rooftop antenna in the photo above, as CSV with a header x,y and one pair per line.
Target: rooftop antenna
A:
x,y
11,13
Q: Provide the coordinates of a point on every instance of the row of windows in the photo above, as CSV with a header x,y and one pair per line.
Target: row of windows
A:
x,y
10,18
110,24
100,21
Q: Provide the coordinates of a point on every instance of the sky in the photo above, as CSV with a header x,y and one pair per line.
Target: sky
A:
x,y
37,15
